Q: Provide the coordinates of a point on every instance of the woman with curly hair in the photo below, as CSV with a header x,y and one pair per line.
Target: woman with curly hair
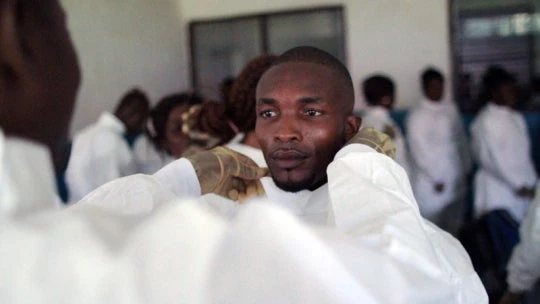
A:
x,y
232,123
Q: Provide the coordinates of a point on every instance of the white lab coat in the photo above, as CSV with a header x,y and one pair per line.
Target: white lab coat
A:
x,y
180,253
367,201
148,159
379,118
99,155
524,264
439,154
502,149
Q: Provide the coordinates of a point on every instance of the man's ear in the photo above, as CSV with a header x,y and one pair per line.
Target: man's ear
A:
x,y
14,50
352,126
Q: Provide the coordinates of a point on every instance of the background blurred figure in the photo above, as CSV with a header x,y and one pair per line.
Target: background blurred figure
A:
x,y
164,140
524,265
100,152
506,177
233,122
504,182
379,93
440,155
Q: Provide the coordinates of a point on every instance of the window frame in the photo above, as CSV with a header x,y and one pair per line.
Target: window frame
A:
x,y
263,30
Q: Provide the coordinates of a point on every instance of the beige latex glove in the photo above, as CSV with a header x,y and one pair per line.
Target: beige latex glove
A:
x,y
377,140
228,173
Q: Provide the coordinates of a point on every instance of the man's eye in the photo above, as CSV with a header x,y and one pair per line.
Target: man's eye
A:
x,y
268,114
313,112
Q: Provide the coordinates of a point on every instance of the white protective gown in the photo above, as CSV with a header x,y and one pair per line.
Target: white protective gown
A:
x,y
99,155
379,118
524,264
439,154
148,159
367,202
180,253
502,149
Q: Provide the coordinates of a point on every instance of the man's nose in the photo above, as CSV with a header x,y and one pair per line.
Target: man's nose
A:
x,y
288,130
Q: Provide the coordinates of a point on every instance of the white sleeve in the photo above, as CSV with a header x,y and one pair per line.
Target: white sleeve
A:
x,y
181,254
139,194
88,255
524,265
372,202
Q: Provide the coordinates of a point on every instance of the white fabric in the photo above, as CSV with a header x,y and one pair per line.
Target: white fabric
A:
x,y
26,179
148,159
379,118
180,253
439,154
524,264
502,149
99,154
367,202
255,154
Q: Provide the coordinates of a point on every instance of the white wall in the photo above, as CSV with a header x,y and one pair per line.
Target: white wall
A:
x,y
122,44
399,37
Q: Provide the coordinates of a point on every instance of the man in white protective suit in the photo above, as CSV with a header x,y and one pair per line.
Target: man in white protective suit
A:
x,y
323,171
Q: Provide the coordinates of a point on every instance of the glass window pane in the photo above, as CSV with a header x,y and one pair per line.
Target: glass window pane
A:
x,y
221,49
322,29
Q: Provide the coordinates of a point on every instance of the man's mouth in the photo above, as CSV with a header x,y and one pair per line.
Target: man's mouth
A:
x,y
288,159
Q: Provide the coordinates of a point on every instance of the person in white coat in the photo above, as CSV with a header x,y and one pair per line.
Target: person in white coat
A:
x,y
506,176
100,153
440,155
304,108
379,93
164,140
524,265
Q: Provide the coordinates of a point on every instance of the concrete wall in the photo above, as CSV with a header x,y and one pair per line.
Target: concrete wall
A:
x,y
122,44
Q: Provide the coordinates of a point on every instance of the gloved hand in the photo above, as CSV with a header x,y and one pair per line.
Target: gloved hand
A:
x,y
377,140
228,173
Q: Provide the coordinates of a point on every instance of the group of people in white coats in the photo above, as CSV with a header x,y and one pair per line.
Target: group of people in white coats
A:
x,y
439,155
435,153
141,239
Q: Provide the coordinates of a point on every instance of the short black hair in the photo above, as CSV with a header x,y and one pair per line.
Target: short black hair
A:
x,y
309,54
376,87
134,97
429,75
496,76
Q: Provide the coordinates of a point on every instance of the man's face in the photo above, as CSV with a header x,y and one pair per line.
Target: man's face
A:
x,y
301,123
435,90
134,116
506,95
